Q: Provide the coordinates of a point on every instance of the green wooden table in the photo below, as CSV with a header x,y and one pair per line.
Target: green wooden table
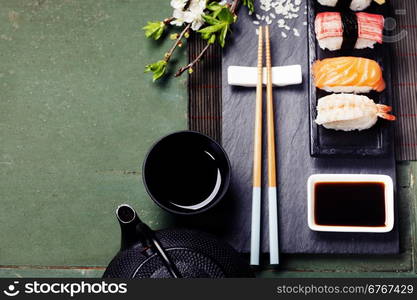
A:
x,y
77,115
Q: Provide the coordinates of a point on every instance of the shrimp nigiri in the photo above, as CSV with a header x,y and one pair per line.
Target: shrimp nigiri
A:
x,y
349,112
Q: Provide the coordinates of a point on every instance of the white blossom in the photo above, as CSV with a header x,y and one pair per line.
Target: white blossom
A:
x,y
193,14
178,17
178,4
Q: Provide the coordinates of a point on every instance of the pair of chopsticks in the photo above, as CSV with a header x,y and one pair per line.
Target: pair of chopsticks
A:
x,y
257,160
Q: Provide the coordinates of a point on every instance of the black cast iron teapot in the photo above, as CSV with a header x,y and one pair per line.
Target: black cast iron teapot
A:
x,y
171,253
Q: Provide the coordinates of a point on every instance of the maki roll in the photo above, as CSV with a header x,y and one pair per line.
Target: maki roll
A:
x,y
355,5
348,30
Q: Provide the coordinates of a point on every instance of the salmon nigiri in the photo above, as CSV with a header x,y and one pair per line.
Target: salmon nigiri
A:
x,y
348,74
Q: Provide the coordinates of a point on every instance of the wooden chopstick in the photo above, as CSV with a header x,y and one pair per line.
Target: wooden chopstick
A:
x,y
257,161
272,179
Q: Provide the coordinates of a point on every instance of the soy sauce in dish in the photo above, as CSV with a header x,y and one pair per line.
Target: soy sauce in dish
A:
x,y
350,204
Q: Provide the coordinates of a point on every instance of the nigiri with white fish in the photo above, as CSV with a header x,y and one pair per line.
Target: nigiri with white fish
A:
x,y
348,112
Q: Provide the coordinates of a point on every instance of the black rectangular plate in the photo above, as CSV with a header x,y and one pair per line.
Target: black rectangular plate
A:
x,y
376,141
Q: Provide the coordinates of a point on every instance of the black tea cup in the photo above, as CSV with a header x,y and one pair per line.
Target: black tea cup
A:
x,y
186,172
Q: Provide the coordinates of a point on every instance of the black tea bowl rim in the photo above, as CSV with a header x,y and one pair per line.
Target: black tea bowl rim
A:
x,y
219,197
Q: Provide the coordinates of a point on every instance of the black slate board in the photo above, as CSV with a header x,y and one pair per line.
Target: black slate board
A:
x,y
372,142
294,162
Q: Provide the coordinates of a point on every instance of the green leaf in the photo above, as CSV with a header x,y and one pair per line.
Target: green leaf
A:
x,y
210,20
154,30
218,20
222,35
249,4
158,69
206,36
212,39
225,15
212,28
213,6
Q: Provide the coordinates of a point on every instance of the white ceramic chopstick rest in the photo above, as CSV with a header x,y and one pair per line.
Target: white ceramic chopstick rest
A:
x,y
281,76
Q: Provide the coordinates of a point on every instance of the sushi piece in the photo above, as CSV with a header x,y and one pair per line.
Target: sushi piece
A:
x,y
349,112
348,75
355,5
349,30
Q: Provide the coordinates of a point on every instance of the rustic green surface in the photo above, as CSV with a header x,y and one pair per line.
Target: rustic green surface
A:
x,y
31,272
76,117
402,265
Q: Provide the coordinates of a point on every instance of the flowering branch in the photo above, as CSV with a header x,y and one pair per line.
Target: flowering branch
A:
x,y
190,66
178,42
214,17
159,68
234,5
167,21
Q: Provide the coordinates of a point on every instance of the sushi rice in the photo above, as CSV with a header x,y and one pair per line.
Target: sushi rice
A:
x,y
355,5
